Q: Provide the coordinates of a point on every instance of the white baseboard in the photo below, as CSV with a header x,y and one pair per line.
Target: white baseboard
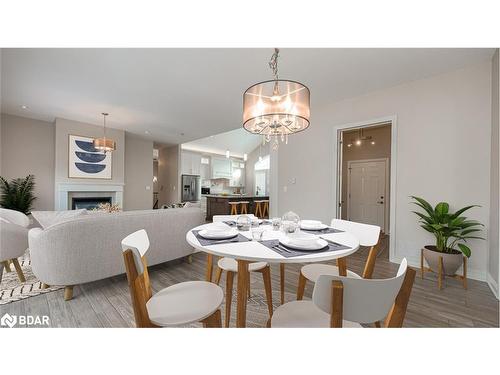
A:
x,y
415,262
493,285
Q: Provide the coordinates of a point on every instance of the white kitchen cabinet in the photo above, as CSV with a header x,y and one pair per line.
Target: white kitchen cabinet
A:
x,y
190,163
221,168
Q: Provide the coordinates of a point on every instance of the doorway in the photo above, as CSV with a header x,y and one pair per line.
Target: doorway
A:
x,y
363,173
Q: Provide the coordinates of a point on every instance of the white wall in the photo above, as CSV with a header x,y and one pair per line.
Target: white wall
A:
x,y
138,173
493,257
443,153
27,147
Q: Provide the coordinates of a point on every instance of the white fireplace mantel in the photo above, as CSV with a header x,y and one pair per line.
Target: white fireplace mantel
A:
x,y
64,190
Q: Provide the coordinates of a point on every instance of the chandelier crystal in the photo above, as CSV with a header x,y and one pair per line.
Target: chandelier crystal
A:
x,y
276,108
104,144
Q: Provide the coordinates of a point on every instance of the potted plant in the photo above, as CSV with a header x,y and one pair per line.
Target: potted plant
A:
x,y
451,231
18,194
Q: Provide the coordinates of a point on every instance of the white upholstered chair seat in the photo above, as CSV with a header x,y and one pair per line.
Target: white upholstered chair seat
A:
x,y
303,314
184,303
229,264
313,271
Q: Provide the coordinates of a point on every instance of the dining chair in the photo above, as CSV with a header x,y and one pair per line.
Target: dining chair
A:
x,y
367,235
179,304
13,240
341,301
231,267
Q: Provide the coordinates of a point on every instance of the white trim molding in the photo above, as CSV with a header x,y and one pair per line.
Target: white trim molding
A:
x,y
64,191
393,175
492,284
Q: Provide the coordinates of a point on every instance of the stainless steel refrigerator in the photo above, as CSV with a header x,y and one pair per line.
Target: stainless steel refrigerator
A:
x,y
191,188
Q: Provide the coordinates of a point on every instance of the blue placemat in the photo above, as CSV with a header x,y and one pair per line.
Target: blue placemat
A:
x,y
208,242
287,252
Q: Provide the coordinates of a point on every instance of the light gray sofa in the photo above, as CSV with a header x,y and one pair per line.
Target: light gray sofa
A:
x,y
87,248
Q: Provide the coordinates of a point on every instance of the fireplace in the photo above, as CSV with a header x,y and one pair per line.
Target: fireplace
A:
x,y
89,203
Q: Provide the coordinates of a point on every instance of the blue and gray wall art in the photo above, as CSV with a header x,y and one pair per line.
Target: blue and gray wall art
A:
x,y
86,161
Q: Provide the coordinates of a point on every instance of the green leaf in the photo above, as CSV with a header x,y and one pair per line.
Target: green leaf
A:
x,y
462,210
464,249
427,219
424,204
442,209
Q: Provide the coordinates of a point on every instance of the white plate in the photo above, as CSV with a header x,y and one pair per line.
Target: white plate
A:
x,y
316,244
312,225
216,234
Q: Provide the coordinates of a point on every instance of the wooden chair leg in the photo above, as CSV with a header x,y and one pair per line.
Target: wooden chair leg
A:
x,y
377,324
218,274
243,275
337,295
301,287
422,264
1,271
210,266
6,265
229,297
282,282
465,273
248,288
213,321
266,275
440,273
19,270
68,292
45,286
258,210
342,265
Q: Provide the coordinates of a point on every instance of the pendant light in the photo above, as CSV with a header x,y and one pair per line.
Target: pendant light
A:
x,y
104,144
277,108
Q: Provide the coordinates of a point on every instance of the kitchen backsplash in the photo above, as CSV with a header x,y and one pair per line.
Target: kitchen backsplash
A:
x,y
219,186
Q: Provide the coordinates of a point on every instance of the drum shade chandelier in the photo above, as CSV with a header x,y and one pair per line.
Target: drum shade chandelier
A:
x,y
104,144
276,108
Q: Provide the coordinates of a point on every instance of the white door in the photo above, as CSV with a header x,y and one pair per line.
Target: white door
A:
x,y
367,192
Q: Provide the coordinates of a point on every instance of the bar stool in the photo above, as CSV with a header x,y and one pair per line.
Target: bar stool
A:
x,y
244,207
258,209
265,209
261,208
234,207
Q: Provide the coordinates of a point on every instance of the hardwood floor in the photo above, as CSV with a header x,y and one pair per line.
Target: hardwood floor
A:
x,y
106,303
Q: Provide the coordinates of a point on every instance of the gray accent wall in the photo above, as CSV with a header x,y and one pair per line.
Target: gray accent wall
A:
x,y
138,192
493,259
27,147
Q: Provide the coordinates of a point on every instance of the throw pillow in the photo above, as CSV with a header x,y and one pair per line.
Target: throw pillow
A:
x,y
49,218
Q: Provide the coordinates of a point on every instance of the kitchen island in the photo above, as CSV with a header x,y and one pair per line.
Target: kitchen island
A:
x,y
218,204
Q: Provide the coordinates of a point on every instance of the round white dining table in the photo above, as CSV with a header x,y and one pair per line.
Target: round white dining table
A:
x,y
253,251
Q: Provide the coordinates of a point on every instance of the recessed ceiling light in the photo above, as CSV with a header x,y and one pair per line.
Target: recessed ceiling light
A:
x,y
358,142
349,145
25,107
147,132
373,142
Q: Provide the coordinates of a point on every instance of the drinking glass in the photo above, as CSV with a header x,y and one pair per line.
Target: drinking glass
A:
x,y
290,222
257,233
243,223
276,223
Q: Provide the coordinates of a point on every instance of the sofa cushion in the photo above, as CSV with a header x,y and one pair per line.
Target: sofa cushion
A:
x,y
49,218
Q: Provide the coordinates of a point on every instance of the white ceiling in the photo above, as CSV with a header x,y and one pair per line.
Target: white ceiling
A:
x,y
238,142
179,95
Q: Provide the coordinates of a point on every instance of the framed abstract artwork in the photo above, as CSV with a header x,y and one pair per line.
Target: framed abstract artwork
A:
x,y
85,161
